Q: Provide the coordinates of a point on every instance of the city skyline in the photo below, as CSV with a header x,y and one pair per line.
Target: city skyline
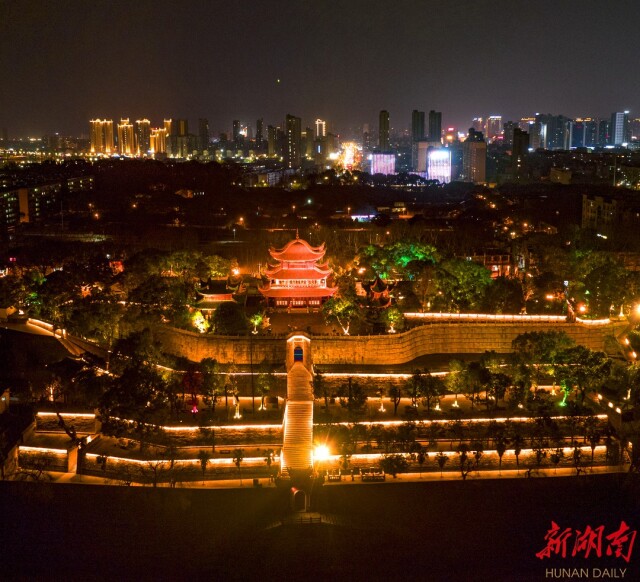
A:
x,y
63,66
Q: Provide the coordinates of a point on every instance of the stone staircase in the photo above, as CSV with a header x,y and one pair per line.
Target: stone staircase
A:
x,y
297,446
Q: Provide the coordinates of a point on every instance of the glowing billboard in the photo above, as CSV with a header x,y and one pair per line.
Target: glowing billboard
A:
x,y
439,165
383,163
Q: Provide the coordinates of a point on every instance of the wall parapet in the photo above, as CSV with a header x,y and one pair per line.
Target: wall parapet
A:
x,y
399,348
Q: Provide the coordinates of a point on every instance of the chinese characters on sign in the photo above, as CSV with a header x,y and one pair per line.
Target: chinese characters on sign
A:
x,y
588,542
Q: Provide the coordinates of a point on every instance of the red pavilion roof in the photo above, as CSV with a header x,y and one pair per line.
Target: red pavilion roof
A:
x,y
298,250
310,273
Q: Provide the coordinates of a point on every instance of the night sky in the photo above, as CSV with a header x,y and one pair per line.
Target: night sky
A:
x,y
63,62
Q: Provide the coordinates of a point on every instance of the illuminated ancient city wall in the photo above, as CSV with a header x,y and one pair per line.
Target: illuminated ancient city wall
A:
x,y
437,338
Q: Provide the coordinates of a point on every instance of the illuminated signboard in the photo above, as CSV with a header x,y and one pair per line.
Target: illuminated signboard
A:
x,y
439,165
383,163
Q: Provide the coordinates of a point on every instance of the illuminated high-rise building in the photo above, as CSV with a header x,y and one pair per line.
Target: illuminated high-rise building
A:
x,y
321,128
158,141
126,141
474,157
101,139
293,150
143,136
494,127
435,126
383,131
477,124
619,131
168,123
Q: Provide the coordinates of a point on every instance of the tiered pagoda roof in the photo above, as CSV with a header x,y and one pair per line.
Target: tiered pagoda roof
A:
x,y
298,273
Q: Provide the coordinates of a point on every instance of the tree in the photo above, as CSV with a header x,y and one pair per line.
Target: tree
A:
x,y
394,318
442,460
461,284
501,447
585,369
238,457
433,389
320,389
352,397
269,461
517,442
466,464
343,308
415,387
213,382
421,457
393,464
555,458
456,379
266,383
395,393
478,379
204,458
229,319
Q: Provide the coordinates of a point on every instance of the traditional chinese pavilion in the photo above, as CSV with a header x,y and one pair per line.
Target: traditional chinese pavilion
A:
x,y
300,278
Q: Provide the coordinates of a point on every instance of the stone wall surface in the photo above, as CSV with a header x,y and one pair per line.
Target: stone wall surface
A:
x,y
400,348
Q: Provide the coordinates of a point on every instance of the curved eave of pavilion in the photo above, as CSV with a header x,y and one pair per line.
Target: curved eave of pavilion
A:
x,y
298,250
314,273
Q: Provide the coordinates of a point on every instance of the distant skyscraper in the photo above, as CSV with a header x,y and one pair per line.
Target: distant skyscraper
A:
x,y
259,133
507,133
126,141
272,140
520,149
293,151
494,127
180,127
102,136
474,157
478,124
635,129
237,137
158,141
525,123
577,133
555,131
321,128
619,131
604,130
203,134
366,138
383,131
435,125
168,127
143,136
309,142
417,125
